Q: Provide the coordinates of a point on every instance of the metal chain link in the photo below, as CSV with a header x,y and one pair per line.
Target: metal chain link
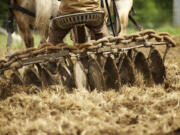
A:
x,y
106,44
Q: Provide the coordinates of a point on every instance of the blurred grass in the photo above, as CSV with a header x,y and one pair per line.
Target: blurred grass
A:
x,y
175,31
16,45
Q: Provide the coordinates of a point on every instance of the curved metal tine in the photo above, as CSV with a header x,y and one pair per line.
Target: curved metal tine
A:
x,y
142,66
111,74
119,60
80,76
165,53
66,75
16,78
126,70
157,67
101,60
69,64
46,77
31,76
130,54
95,76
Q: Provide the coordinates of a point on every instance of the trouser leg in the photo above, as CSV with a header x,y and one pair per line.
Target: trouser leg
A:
x,y
100,31
56,35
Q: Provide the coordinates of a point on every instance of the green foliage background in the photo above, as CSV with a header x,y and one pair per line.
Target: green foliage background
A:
x,y
154,13
3,12
150,13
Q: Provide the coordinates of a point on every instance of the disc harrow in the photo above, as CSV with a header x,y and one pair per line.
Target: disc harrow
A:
x,y
103,64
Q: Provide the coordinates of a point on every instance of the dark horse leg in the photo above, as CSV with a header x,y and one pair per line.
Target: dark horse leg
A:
x,y
24,29
23,22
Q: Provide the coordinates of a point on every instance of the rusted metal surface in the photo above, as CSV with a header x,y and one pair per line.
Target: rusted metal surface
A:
x,y
121,54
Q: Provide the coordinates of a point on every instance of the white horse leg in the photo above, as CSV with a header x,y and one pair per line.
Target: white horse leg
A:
x,y
50,8
124,7
124,23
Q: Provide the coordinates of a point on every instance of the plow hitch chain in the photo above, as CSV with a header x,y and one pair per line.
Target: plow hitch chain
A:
x,y
103,64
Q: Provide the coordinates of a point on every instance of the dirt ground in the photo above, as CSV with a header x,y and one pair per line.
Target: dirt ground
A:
x,y
136,110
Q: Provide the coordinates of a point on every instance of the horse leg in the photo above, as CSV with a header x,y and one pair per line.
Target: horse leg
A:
x,y
50,7
26,36
24,29
124,7
124,23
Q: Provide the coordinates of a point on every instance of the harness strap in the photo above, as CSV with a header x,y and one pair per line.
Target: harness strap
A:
x,y
110,18
102,4
117,18
139,27
26,11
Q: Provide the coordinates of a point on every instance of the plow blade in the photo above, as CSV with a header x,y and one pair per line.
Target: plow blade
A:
x,y
95,76
142,66
126,70
16,78
157,67
52,67
111,74
31,76
46,76
66,75
80,76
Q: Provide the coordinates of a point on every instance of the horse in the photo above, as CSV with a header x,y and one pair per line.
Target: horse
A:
x,y
124,7
33,14
44,9
123,10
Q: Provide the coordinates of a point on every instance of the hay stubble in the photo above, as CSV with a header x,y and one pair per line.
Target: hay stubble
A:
x,y
131,110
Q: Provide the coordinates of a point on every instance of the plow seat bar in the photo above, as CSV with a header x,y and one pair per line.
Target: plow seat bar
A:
x,y
93,19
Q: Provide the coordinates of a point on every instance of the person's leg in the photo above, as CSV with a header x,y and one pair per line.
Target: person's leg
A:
x,y
56,35
100,31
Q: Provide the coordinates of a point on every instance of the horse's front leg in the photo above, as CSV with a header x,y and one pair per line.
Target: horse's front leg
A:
x,y
124,7
25,33
24,29
124,23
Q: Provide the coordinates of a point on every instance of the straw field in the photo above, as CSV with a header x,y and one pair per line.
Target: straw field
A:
x,y
135,110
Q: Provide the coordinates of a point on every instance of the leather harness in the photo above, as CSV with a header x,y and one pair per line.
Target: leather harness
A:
x,y
15,6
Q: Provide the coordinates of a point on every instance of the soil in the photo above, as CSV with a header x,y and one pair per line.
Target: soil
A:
x,y
133,110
